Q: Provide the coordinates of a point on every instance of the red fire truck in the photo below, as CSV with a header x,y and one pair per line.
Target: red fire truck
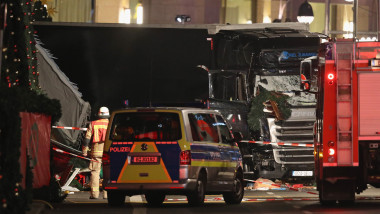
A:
x,y
347,130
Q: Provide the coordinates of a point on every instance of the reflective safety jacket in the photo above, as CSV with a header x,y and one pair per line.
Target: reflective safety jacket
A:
x,y
97,130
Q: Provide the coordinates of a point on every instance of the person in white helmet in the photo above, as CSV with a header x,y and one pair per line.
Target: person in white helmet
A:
x,y
97,132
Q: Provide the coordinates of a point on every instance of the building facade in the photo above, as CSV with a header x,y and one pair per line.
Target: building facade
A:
x,y
332,17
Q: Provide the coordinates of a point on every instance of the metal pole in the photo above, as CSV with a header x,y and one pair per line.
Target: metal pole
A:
x,y
327,19
355,18
225,12
378,21
93,9
355,31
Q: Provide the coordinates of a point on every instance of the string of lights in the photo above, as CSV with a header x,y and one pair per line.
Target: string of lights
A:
x,y
19,52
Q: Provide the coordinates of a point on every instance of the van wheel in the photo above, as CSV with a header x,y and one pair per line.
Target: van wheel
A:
x,y
115,198
155,199
197,197
237,194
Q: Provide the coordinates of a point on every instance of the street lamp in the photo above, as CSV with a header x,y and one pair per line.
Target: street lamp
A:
x,y
305,13
182,18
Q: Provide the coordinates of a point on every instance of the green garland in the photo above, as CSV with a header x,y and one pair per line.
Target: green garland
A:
x,y
30,101
257,107
14,199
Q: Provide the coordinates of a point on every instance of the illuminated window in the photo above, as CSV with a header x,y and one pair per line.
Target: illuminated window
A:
x,y
139,14
349,27
125,16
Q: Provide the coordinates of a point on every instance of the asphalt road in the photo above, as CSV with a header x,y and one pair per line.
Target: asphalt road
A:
x,y
255,201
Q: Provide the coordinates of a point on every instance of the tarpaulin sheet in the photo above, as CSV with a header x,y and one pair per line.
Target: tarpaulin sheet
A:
x,y
75,111
35,141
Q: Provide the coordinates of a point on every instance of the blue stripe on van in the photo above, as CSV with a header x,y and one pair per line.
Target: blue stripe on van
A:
x,y
206,152
215,152
118,156
170,155
235,155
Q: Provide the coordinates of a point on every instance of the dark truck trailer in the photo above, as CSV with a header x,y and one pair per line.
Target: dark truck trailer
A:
x,y
111,63
268,58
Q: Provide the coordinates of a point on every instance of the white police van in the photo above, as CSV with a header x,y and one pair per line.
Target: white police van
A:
x,y
171,151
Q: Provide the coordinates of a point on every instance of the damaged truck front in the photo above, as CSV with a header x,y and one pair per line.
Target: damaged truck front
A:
x,y
254,81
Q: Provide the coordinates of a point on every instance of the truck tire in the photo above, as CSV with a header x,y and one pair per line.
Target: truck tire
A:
x,y
322,190
197,197
342,191
235,196
115,198
155,199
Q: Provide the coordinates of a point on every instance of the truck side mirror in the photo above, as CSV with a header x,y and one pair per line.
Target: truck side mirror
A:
x,y
305,75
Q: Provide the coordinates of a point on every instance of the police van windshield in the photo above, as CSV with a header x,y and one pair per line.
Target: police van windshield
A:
x,y
143,126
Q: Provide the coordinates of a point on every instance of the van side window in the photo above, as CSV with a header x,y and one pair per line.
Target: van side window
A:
x,y
224,131
203,127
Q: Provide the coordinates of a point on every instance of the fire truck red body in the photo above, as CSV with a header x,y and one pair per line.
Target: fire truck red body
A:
x,y
347,131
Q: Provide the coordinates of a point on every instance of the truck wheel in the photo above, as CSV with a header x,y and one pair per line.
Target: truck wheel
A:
x,y
197,197
154,199
323,190
342,191
115,198
237,194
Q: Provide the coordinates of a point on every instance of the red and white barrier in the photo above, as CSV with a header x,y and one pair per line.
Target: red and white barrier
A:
x,y
280,143
71,128
72,154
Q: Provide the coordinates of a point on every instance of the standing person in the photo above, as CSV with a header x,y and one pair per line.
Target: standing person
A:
x,y
97,132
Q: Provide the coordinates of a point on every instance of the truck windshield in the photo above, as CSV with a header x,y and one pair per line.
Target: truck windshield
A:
x,y
289,85
143,126
279,83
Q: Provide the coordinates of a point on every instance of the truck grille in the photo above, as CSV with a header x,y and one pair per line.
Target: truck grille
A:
x,y
287,155
297,129
294,131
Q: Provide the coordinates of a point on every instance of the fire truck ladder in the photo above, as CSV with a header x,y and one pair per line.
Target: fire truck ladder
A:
x,y
344,58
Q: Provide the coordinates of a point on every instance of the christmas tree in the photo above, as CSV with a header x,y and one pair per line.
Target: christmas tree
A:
x,y
19,64
19,92
273,101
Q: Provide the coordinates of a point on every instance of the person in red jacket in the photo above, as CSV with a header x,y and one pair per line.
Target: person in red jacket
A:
x,y
97,132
